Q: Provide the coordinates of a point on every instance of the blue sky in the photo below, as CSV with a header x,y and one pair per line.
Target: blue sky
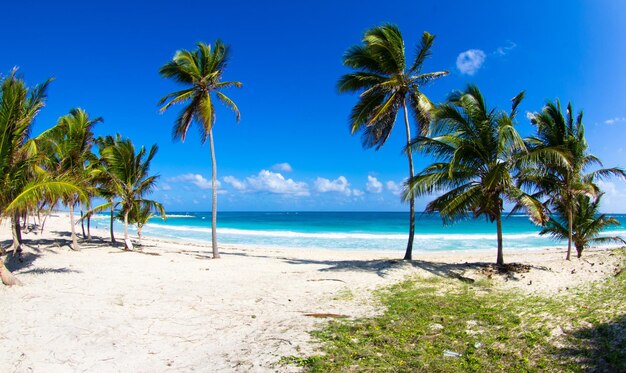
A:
x,y
292,149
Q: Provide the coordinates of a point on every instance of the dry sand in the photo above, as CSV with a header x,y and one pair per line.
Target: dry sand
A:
x,y
172,308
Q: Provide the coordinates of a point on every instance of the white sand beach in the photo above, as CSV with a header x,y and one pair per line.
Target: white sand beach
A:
x,y
172,308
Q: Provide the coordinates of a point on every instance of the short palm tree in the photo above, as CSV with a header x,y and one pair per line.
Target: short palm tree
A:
x,y
130,179
22,183
561,183
587,225
201,71
140,214
476,148
386,86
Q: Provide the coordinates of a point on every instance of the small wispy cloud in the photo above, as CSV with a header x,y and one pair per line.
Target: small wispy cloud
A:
x,y
470,61
393,187
506,49
339,185
268,181
195,179
282,167
615,120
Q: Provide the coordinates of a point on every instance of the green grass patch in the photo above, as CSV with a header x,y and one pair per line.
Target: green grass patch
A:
x,y
444,325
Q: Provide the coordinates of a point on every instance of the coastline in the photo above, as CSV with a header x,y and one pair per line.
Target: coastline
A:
x,y
171,307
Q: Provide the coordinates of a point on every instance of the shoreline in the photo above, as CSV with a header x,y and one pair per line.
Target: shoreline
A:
x,y
171,307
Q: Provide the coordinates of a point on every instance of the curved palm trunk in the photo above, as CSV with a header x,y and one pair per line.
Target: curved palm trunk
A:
x,y
500,257
16,231
570,224
408,255
111,224
126,230
89,228
216,253
74,246
6,276
82,221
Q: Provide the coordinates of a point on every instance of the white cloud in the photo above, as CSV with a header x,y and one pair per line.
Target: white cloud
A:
x,y
166,187
234,182
373,185
357,193
614,199
530,116
393,187
282,167
615,120
504,50
470,61
340,185
196,179
273,182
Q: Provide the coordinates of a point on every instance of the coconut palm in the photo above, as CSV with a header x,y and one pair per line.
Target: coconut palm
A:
x,y
140,214
476,148
587,224
387,85
561,183
201,71
22,183
69,145
106,187
130,180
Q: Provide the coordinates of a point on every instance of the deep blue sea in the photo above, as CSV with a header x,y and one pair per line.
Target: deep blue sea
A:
x,y
349,230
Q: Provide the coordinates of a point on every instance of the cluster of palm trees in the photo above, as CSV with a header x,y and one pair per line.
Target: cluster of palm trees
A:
x,y
59,167
481,160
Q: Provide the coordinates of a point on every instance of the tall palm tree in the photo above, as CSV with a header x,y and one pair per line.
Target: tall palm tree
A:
x,y
104,179
22,183
201,71
561,183
587,225
387,86
476,148
69,145
130,179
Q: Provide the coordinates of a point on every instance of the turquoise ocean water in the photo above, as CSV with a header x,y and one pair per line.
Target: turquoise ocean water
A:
x,y
349,230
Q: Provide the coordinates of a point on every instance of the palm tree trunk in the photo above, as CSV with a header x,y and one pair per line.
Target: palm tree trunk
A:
x,y
89,228
82,221
139,228
216,253
16,231
112,234
126,229
74,246
408,255
6,276
500,257
569,231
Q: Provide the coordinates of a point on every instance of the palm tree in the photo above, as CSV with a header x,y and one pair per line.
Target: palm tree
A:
x,y
140,214
130,179
22,183
476,148
587,224
201,71
388,86
104,179
561,183
69,145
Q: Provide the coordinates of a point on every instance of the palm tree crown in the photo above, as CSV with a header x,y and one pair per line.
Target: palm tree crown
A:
x,y
201,71
477,149
387,86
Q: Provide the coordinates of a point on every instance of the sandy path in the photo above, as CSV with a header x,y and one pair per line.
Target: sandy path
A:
x,y
103,310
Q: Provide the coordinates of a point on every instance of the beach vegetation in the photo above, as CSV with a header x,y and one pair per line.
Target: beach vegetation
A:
x,y
587,224
201,72
129,177
23,184
476,149
68,149
388,84
449,326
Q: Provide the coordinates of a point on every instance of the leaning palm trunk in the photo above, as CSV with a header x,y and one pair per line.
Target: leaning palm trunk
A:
x,y
126,229
16,231
570,227
82,221
6,276
500,256
111,223
408,255
216,253
74,246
